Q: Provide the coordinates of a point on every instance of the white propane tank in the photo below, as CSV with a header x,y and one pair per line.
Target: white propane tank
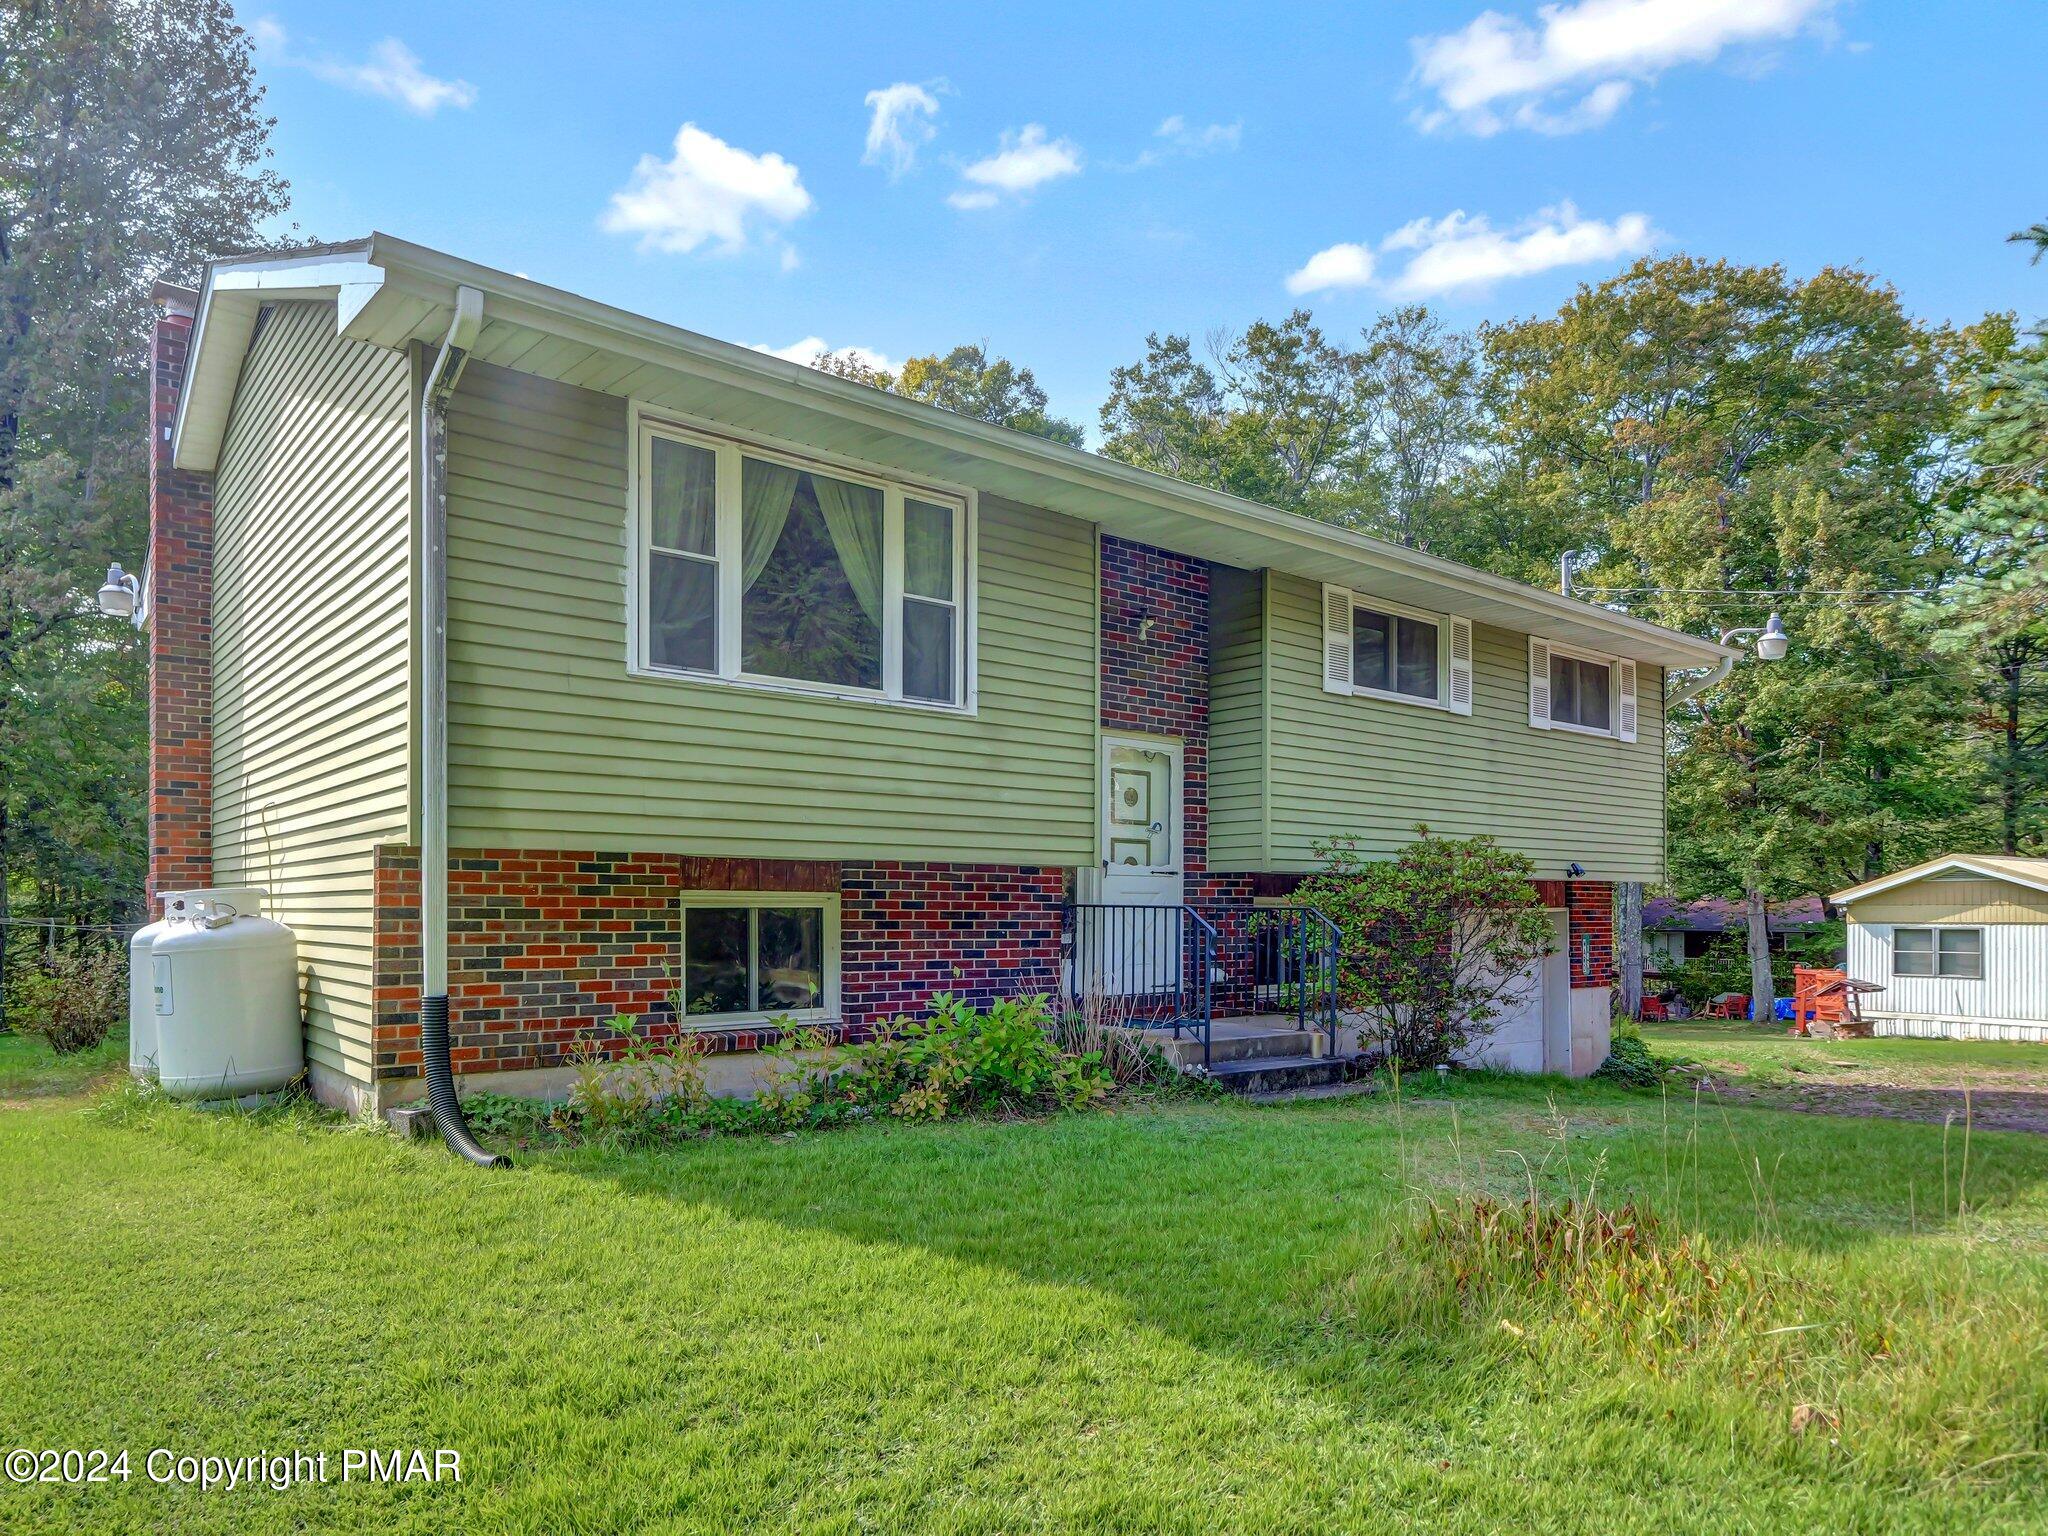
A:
x,y
225,984
142,991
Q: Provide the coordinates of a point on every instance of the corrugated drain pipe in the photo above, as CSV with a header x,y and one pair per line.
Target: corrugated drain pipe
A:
x,y
441,381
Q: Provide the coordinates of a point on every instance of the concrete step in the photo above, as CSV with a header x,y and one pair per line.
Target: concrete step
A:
x,y
1233,1040
1277,1074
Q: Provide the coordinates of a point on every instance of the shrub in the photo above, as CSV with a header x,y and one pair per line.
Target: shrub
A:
x,y
1437,940
1630,1060
624,1076
74,1000
960,1058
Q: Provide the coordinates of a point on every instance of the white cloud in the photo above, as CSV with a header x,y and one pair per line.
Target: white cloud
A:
x,y
706,192
1336,266
811,348
1175,136
899,126
392,71
1460,252
1026,160
1574,68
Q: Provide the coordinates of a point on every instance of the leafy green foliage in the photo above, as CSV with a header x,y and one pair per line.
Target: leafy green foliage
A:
x,y
1630,1060
1436,940
74,1000
636,1088
132,145
969,382
960,1059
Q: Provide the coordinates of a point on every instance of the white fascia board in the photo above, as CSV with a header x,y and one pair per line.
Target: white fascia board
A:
x,y
1931,868
231,296
1299,544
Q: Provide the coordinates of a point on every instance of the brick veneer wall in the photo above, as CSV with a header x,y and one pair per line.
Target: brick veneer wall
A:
x,y
1590,904
978,931
1155,682
180,633
545,948
1155,668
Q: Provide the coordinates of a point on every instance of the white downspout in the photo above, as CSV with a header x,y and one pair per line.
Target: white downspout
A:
x,y
433,721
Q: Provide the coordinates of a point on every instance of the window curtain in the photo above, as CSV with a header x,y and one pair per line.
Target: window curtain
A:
x,y
853,516
685,496
766,491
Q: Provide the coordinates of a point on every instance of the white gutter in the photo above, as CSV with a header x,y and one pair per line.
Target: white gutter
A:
x,y
1693,687
433,719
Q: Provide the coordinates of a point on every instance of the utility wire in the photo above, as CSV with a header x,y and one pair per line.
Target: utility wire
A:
x,y
1759,591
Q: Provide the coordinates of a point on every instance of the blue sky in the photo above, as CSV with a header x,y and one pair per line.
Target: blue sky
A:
x,y
1061,179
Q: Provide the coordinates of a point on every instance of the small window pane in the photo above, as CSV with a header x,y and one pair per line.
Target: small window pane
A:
x,y
811,567
1372,650
1913,952
1564,689
792,958
1962,953
1415,664
1595,684
715,959
682,612
928,651
685,499
927,549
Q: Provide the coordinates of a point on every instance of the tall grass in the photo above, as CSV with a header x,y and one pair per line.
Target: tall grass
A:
x,y
1894,1370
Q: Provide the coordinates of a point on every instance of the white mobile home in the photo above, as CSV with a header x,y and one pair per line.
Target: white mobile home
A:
x,y
1959,944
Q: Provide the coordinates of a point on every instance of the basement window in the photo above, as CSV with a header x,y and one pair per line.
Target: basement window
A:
x,y
757,956
763,567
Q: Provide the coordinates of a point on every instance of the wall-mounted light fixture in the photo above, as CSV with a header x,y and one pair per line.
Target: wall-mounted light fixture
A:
x,y
1574,871
122,594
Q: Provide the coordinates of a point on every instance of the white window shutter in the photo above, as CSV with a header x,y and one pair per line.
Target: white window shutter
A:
x,y
1539,683
1336,639
1625,700
1461,666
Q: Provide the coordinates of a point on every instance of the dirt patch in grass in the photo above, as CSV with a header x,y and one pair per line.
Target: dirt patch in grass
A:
x,y
1996,1085
1991,1109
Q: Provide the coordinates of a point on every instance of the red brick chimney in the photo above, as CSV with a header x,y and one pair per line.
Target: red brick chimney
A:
x,y
180,626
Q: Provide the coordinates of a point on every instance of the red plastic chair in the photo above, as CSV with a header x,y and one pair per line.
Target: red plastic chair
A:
x,y
1733,1006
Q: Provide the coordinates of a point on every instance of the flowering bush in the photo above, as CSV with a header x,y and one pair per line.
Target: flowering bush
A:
x,y
1437,940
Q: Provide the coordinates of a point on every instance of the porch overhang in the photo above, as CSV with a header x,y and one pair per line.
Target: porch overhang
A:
x,y
391,293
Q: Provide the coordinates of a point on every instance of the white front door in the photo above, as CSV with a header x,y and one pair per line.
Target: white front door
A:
x,y
1138,866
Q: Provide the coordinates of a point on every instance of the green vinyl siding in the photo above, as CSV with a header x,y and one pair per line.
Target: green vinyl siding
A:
x,y
310,650
1237,719
554,743
1375,767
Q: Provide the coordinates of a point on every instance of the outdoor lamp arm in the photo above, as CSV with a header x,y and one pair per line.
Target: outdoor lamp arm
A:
x,y
1771,645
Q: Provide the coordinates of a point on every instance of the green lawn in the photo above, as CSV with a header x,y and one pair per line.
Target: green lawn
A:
x,y
30,1069
1192,1317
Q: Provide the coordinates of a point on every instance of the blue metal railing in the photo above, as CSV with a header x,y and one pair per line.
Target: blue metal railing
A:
x,y
1296,950
1155,966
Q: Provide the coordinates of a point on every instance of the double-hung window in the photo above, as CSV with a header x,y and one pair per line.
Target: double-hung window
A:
x,y
1953,954
1574,690
1385,651
758,566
